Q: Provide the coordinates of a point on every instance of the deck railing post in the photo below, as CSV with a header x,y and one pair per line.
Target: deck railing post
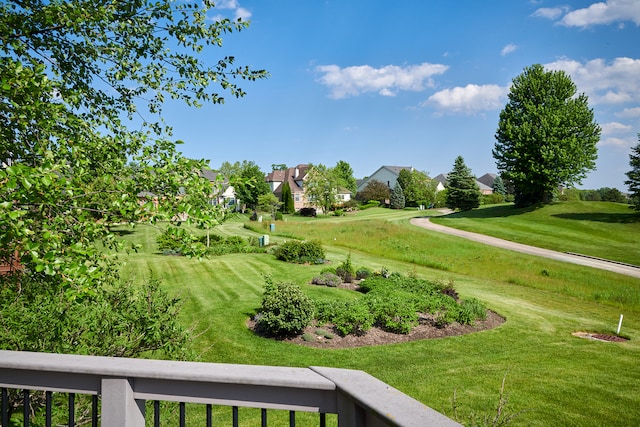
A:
x,y
349,414
119,408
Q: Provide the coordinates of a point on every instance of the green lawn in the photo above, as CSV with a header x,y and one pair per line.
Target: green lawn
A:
x,y
602,229
556,378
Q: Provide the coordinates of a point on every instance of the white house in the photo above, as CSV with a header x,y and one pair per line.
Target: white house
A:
x,y
386,174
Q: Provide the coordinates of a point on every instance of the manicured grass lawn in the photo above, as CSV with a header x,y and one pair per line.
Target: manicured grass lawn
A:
x,y
603,229
557,378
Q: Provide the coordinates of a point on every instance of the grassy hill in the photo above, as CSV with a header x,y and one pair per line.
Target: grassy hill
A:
x,y
602,229
556,378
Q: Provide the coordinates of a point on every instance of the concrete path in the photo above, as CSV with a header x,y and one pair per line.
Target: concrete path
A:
x,y
531,250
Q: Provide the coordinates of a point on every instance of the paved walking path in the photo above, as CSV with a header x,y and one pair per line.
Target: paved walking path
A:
x,y
531,250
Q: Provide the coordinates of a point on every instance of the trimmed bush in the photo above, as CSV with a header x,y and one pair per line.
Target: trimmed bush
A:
x,y
300,252
286,310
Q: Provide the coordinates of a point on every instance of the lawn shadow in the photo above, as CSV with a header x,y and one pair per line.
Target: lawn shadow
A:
x,y
612,218
499,211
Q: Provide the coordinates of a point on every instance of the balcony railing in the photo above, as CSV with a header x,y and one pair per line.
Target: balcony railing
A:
x,y
122,386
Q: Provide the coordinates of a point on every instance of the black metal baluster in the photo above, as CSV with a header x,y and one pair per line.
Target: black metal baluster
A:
x,y
72,409
292,418
5,407
323,419
182,414
25,407
209,422
235,416
264,417
94,410
47,410
156,413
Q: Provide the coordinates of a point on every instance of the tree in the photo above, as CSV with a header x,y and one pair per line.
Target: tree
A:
x,y
397,198
320,187
249,183
344,176
288,206
269,203
417,187
375,190
462,190
546,135
73,77
498,186
634,176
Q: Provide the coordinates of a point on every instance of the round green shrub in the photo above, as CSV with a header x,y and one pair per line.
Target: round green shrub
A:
x,y
286,310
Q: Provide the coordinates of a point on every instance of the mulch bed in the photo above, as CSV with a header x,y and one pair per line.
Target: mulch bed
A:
x,y
601,337
426,329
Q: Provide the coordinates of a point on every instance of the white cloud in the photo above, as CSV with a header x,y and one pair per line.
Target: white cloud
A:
x,y
550,12
615,82
614,127
470,99
604,13
616,142
508,49
387,81
629,113
233,5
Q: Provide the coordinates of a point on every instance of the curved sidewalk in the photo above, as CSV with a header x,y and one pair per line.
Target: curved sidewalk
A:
x,y
531,250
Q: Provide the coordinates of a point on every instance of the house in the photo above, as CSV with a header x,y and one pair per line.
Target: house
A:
x,y
484,188
226,196
295,177
488,179
386,174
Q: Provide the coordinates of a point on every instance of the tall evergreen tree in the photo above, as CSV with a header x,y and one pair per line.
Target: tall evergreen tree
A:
x,y
634,176
287,199
462,190
397,198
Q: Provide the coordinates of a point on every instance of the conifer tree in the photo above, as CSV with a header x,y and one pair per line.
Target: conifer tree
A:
x,y
463,192
287,199
397,198
634,176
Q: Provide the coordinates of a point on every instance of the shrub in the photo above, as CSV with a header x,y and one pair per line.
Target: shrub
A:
x,y
300,252
492,199
327,309
394,313
278,216
345,270
327,279
310,212
369,204
363,273
286,310
355,318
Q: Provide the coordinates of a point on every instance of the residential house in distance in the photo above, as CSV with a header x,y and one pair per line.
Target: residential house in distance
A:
x,y
295,177
227,197
386,174
482,182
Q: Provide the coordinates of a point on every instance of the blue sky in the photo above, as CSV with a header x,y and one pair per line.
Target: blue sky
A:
x,y
412,82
